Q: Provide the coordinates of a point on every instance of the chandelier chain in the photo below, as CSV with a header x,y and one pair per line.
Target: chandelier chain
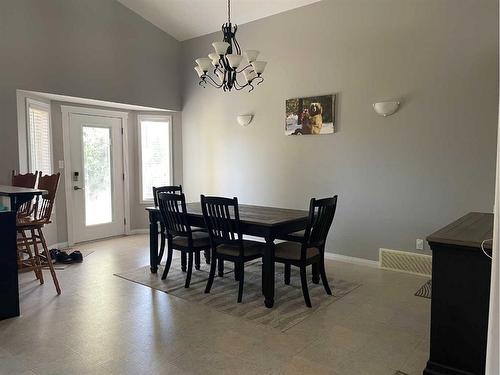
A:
x,y
229,11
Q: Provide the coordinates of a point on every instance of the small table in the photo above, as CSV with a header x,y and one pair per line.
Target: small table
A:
x,y
9,288
460,296
267,222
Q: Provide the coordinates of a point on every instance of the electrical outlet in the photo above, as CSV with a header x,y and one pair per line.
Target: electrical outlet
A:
x,y
419,244
61,164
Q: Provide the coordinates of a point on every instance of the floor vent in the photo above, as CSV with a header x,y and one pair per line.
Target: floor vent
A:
x,y
405,261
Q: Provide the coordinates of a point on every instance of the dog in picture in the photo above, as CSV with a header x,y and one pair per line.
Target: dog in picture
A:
x,y
315,120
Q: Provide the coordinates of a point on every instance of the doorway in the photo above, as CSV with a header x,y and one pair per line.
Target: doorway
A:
x,y
95,173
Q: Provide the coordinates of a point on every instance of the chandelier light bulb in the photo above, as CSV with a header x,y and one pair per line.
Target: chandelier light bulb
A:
x,y
204,63
220,47
259,66
251,55
199,71
234,60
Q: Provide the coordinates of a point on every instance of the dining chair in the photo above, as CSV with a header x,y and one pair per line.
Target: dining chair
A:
x,y
180,235
156,191
27,180
30,232
222,220
309,248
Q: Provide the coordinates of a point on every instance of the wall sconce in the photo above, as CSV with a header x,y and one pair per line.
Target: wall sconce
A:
x,y
386,108
244,120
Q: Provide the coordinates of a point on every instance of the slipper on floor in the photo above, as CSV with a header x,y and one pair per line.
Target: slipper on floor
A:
x,y
76,256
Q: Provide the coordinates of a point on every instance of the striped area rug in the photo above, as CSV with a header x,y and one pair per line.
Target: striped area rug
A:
x,y
425,291
289,307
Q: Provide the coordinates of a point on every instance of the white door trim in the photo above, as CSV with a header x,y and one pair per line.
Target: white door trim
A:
x,y
123,116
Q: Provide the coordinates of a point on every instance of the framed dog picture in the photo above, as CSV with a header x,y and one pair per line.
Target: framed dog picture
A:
x,y
314,115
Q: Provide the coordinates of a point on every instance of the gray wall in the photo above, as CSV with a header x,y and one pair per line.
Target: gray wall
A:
x,y
398,178
93,49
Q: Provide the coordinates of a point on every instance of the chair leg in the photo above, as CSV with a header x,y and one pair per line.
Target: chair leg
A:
x,y
241,277
197,260
189,270
183,261
236,272
303,281
221,267
288,269
324,278
168,263
262,278
315,273
207,256
211,277
162,243
38,259
51,266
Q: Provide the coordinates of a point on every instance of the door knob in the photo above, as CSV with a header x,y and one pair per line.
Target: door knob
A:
x,y
77,188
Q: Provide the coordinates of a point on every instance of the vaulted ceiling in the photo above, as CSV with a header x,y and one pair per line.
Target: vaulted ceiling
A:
x,y
186,19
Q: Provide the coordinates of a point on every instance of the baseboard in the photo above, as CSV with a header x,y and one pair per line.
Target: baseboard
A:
x,y
353,260
137,231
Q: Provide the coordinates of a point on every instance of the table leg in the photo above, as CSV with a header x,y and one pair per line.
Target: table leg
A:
x,y
153,244
268,273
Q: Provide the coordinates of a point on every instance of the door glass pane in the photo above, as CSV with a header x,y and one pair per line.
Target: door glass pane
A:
x,y
97,175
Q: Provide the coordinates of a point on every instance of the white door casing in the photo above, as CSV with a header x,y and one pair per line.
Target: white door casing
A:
x,y
103,129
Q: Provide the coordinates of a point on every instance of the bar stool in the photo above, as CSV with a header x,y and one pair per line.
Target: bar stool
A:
x,y
30,227
27,180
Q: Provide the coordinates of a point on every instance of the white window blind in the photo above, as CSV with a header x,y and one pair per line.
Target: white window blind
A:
x,y
155,154
39,142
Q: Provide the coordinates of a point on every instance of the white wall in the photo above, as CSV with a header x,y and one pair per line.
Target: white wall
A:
x,y
398,178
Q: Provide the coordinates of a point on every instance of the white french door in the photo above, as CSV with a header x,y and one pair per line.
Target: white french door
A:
x,y
96,176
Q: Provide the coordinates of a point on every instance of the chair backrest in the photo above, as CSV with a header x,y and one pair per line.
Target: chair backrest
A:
x,y
321,213
174,214
222,219
44,203
27,180
165,189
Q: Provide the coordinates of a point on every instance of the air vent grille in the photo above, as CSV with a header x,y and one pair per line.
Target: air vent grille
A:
x,y
405,261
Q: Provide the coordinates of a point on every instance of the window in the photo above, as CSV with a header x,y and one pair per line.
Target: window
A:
x,y
155,154
39,137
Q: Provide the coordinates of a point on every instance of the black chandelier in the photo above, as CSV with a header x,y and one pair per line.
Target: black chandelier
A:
x,y
225,62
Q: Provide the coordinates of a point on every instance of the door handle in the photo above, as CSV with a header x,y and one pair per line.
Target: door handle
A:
x,y
77,188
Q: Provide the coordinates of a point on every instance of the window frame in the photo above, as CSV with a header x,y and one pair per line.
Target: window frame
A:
x,y
36,104
154,118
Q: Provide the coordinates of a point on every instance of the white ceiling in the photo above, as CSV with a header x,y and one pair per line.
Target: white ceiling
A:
x,y
186,19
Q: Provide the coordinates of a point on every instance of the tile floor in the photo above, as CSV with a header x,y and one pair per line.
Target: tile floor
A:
x,y
103,324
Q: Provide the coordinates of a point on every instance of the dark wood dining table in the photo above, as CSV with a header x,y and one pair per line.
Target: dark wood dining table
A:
x,y
268,223
9,288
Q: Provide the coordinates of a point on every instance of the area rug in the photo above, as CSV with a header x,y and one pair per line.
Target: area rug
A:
x,y
425,290
289,307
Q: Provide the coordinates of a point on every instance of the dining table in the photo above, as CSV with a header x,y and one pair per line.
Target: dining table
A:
x,y
9,288
268,223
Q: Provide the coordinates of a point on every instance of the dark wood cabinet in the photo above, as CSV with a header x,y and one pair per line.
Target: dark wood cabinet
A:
x,y
460,296
9,289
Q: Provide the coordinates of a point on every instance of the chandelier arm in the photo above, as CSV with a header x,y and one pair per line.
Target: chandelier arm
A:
x,y
212,81
242,69
261,79
251,87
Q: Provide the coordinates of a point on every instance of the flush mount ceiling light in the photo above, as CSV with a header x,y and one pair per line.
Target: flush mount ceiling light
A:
x,y
225,62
